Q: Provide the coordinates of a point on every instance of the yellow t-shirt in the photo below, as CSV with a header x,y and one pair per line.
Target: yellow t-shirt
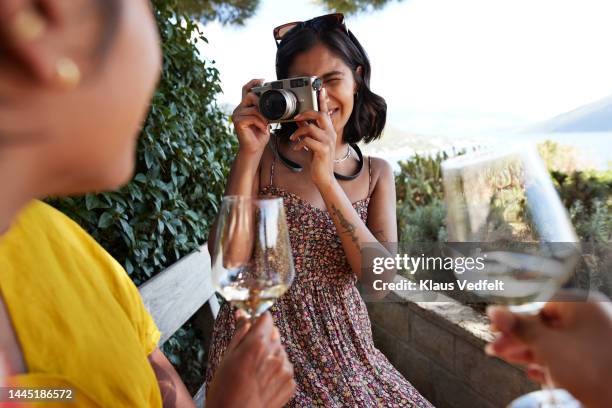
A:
x,y
79,318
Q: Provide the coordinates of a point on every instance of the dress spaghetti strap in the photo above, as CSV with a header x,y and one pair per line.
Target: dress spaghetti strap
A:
x,y
369,176
272,170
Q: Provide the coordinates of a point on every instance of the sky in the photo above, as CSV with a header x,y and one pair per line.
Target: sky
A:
x,y
449,67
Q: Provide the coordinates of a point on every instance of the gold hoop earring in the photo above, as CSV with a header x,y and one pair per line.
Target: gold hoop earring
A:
x,y
68,72
28,25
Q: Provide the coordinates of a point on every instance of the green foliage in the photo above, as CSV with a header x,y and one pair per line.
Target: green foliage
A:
x,y
559,157
421,211
588,197
185,351
182,161
421,215
586,194
238,11
595,225
353,6
420,207
422,224
419,182
224,11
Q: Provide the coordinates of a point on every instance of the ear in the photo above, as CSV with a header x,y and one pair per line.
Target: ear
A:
x,y
359,73
36,32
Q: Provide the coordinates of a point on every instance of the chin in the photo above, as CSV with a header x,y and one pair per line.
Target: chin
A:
x,y
117,181
97,183
110,177
339,126
118,176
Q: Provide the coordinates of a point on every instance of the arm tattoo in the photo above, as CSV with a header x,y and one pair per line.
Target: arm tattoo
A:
x,y
348,227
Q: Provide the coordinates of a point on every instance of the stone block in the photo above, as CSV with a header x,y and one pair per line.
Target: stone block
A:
x,y
451,392
438,344
416,368
392,316
386,342
496,380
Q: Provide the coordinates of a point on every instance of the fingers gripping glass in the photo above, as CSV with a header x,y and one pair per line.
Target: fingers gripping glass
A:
x,y
327,21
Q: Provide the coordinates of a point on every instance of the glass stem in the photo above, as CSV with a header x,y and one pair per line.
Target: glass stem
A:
x,y
253,318
547,387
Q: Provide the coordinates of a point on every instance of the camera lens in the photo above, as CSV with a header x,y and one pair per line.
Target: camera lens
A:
x,y
278,104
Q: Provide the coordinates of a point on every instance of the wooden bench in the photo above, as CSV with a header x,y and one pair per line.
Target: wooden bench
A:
x,y
177,293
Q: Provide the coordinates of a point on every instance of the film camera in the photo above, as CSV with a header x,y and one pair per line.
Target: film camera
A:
x,y
280,101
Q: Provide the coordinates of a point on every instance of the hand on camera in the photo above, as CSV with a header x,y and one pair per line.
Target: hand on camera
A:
x,y
252,128
316,132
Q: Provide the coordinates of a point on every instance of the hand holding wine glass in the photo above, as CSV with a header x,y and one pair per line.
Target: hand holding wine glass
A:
x,y
257,367
502,207
570,338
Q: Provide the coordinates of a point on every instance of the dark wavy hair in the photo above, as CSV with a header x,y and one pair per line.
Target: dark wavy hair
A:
x,y
369,114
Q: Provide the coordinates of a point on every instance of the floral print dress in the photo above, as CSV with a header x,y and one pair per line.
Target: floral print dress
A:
x,y
323,321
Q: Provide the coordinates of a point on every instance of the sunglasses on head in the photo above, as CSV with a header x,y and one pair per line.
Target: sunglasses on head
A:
x,y
327,21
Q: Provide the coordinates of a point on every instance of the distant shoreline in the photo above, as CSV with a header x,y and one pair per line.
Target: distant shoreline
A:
x,y
594,147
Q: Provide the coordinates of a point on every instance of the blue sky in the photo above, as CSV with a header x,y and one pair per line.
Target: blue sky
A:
x,y
449,66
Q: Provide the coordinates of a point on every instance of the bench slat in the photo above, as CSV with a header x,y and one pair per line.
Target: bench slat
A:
x,y
199,397
174,295
213,302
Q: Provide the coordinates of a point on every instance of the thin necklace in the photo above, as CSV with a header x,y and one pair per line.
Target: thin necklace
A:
x,y
346,156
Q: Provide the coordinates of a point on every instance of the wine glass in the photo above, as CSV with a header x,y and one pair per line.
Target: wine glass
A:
x,y
252,264
502,207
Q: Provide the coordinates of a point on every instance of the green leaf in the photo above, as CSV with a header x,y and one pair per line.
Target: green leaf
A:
x,y
129,268
106,220
128,230
92,202
171,228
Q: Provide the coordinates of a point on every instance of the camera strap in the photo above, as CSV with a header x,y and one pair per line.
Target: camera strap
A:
x,y
296,167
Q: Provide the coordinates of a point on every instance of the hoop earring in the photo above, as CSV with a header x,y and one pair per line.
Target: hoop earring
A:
x,y
68,72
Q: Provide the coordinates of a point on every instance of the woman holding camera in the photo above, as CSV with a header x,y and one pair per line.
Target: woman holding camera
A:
x,y
336,203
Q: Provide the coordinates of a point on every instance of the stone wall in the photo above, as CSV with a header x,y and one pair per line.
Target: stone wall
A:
x,y
438,346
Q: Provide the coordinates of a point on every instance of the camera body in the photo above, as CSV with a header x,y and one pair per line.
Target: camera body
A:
x,y
280,101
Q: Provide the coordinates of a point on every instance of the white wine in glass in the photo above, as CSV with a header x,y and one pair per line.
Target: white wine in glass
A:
x,y
252,264
502,206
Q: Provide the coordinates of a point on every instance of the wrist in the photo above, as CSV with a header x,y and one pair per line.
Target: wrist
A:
x,y
248,155
242,174
327,185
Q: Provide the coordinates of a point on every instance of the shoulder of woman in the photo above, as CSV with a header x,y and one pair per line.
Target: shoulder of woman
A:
x,y
381,170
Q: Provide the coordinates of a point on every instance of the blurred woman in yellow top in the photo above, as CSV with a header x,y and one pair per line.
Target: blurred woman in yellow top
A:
x,y
76,78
